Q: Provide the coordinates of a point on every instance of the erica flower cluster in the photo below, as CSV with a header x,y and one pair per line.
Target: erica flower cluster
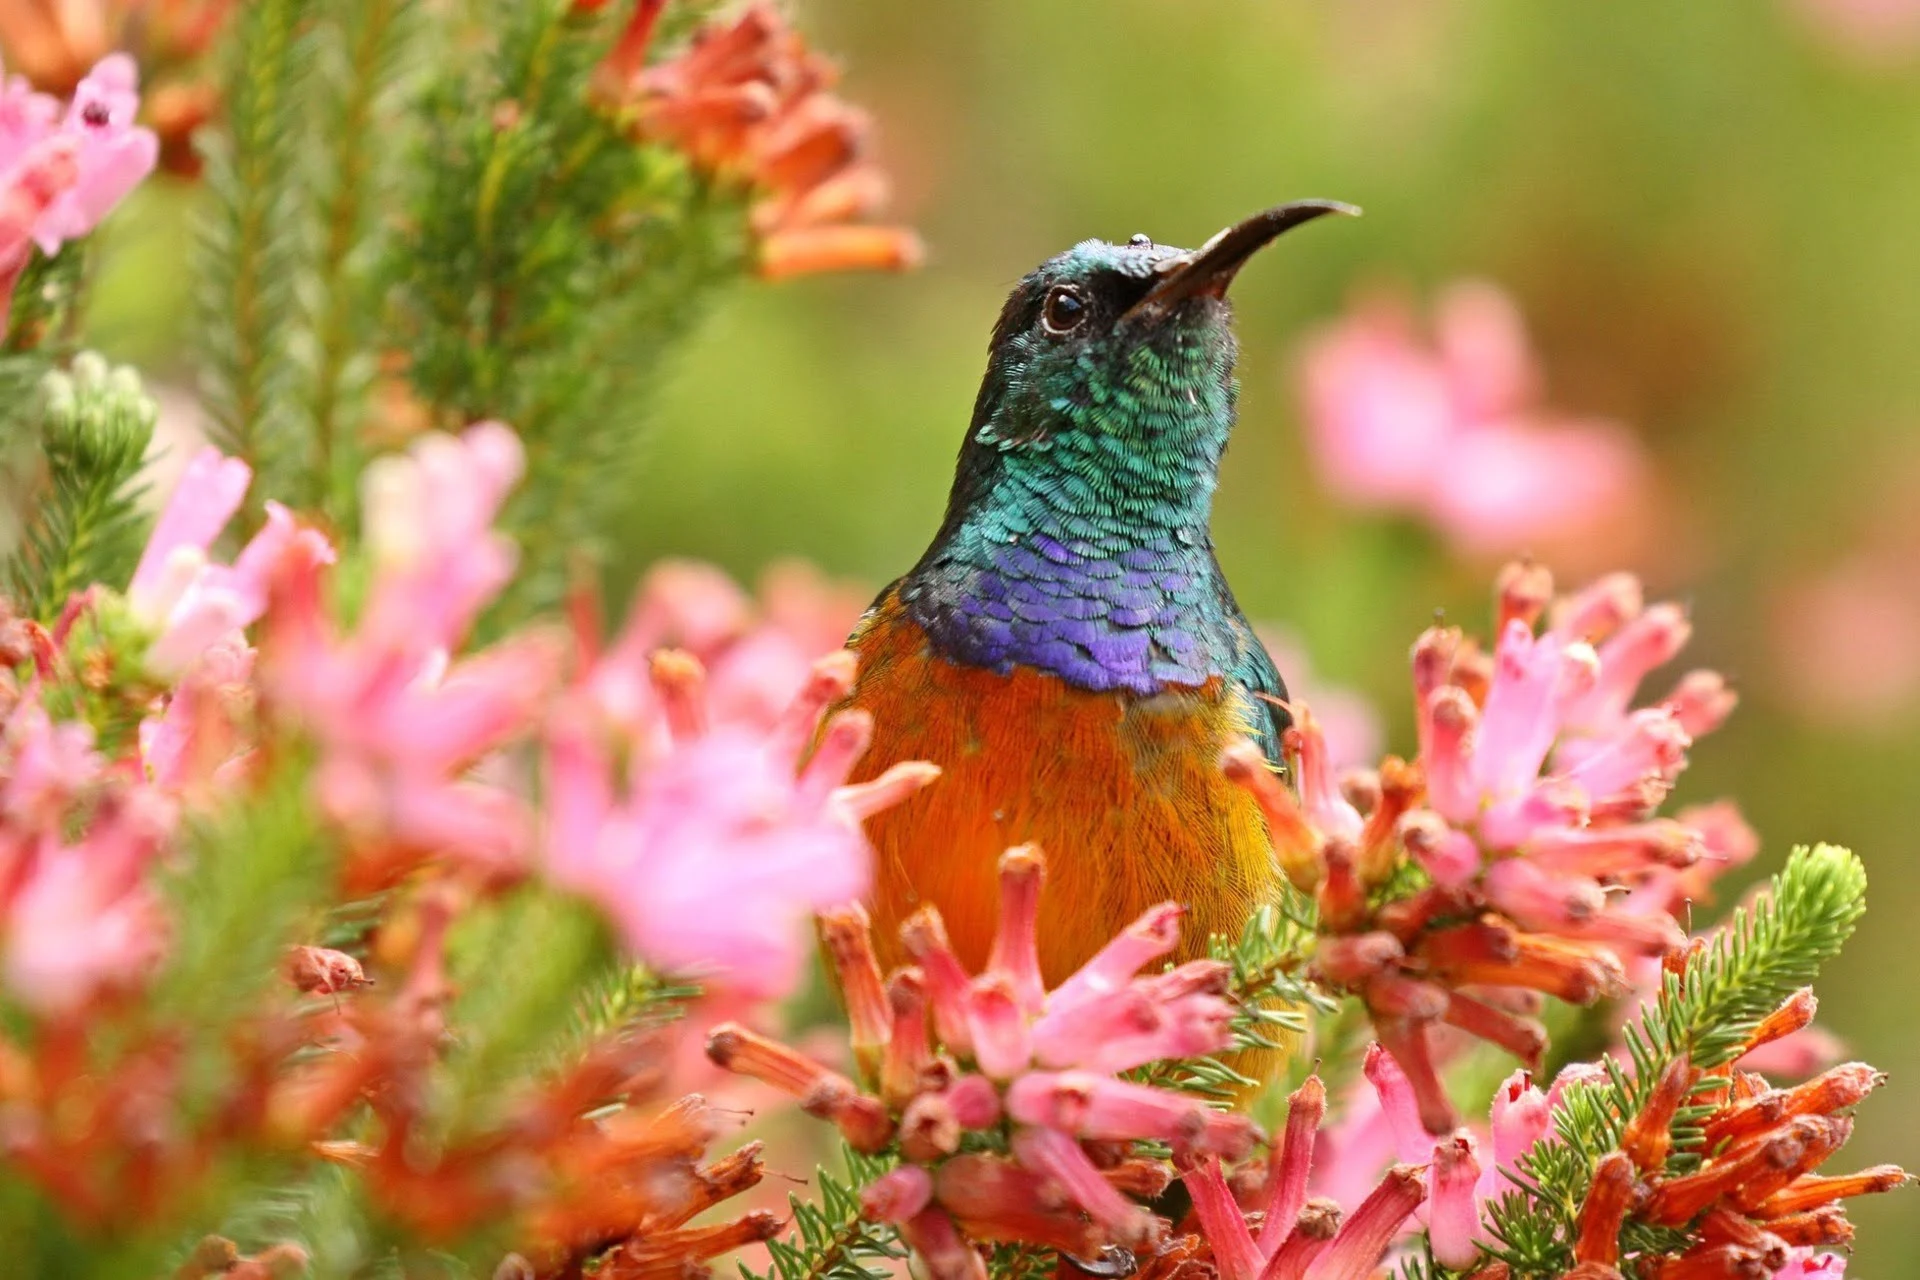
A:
x,y
689,828
589,1164
1526,822
1004,1100
1753,1205
733,840
749,102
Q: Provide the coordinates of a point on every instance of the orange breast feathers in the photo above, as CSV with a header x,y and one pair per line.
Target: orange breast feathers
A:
x,y
1123,793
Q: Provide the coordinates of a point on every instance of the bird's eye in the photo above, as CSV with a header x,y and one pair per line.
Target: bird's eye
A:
x,y
1064,310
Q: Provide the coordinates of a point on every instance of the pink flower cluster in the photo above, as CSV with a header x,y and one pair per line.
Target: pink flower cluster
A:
x,y
999,1054
1465,1170
1531,810
1548,778
732,836
758,654
63,170
691,824
1452,431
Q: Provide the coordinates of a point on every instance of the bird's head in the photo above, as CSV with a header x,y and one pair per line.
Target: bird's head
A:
x,y
1110,372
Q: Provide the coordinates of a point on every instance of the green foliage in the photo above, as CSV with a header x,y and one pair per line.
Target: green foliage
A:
x,y
518,965
1702,1015
829,1240
361,82
627,995
1022,1262
549,262
253,242
246,892
46,300
84,523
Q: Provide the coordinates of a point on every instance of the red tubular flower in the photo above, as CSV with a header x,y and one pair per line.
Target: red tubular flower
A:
x,y
947,1256
1649,1135
996,1200
1356,1250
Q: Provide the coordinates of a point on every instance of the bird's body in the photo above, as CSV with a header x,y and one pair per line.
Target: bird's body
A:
x,y
1067,649
1123,791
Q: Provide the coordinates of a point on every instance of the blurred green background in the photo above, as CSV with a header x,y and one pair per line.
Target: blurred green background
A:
x,y
1707,212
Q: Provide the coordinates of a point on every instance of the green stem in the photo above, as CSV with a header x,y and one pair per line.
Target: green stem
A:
x,y
255,166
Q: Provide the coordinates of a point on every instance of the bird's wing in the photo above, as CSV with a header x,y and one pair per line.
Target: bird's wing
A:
x,y
1254,671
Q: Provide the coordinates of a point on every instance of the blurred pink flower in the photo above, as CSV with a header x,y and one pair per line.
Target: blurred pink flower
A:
x,y
1453,432
62,171
194,605
713,844
1848,639
400,723
712,859
757,655
191,744
114,156
48,766
209,491
77,916
1869,31
82,918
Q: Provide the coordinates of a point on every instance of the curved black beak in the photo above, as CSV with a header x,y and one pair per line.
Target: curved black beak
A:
x,y
1211,268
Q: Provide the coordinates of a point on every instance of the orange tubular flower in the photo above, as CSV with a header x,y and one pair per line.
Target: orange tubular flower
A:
x,y
1754,1202
747,101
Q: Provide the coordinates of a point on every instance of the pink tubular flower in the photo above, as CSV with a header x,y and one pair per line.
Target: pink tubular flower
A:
x,y
61,172
715,848
1297,1237
400,724
194,605
1453,431
1464,1170
1032,1068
